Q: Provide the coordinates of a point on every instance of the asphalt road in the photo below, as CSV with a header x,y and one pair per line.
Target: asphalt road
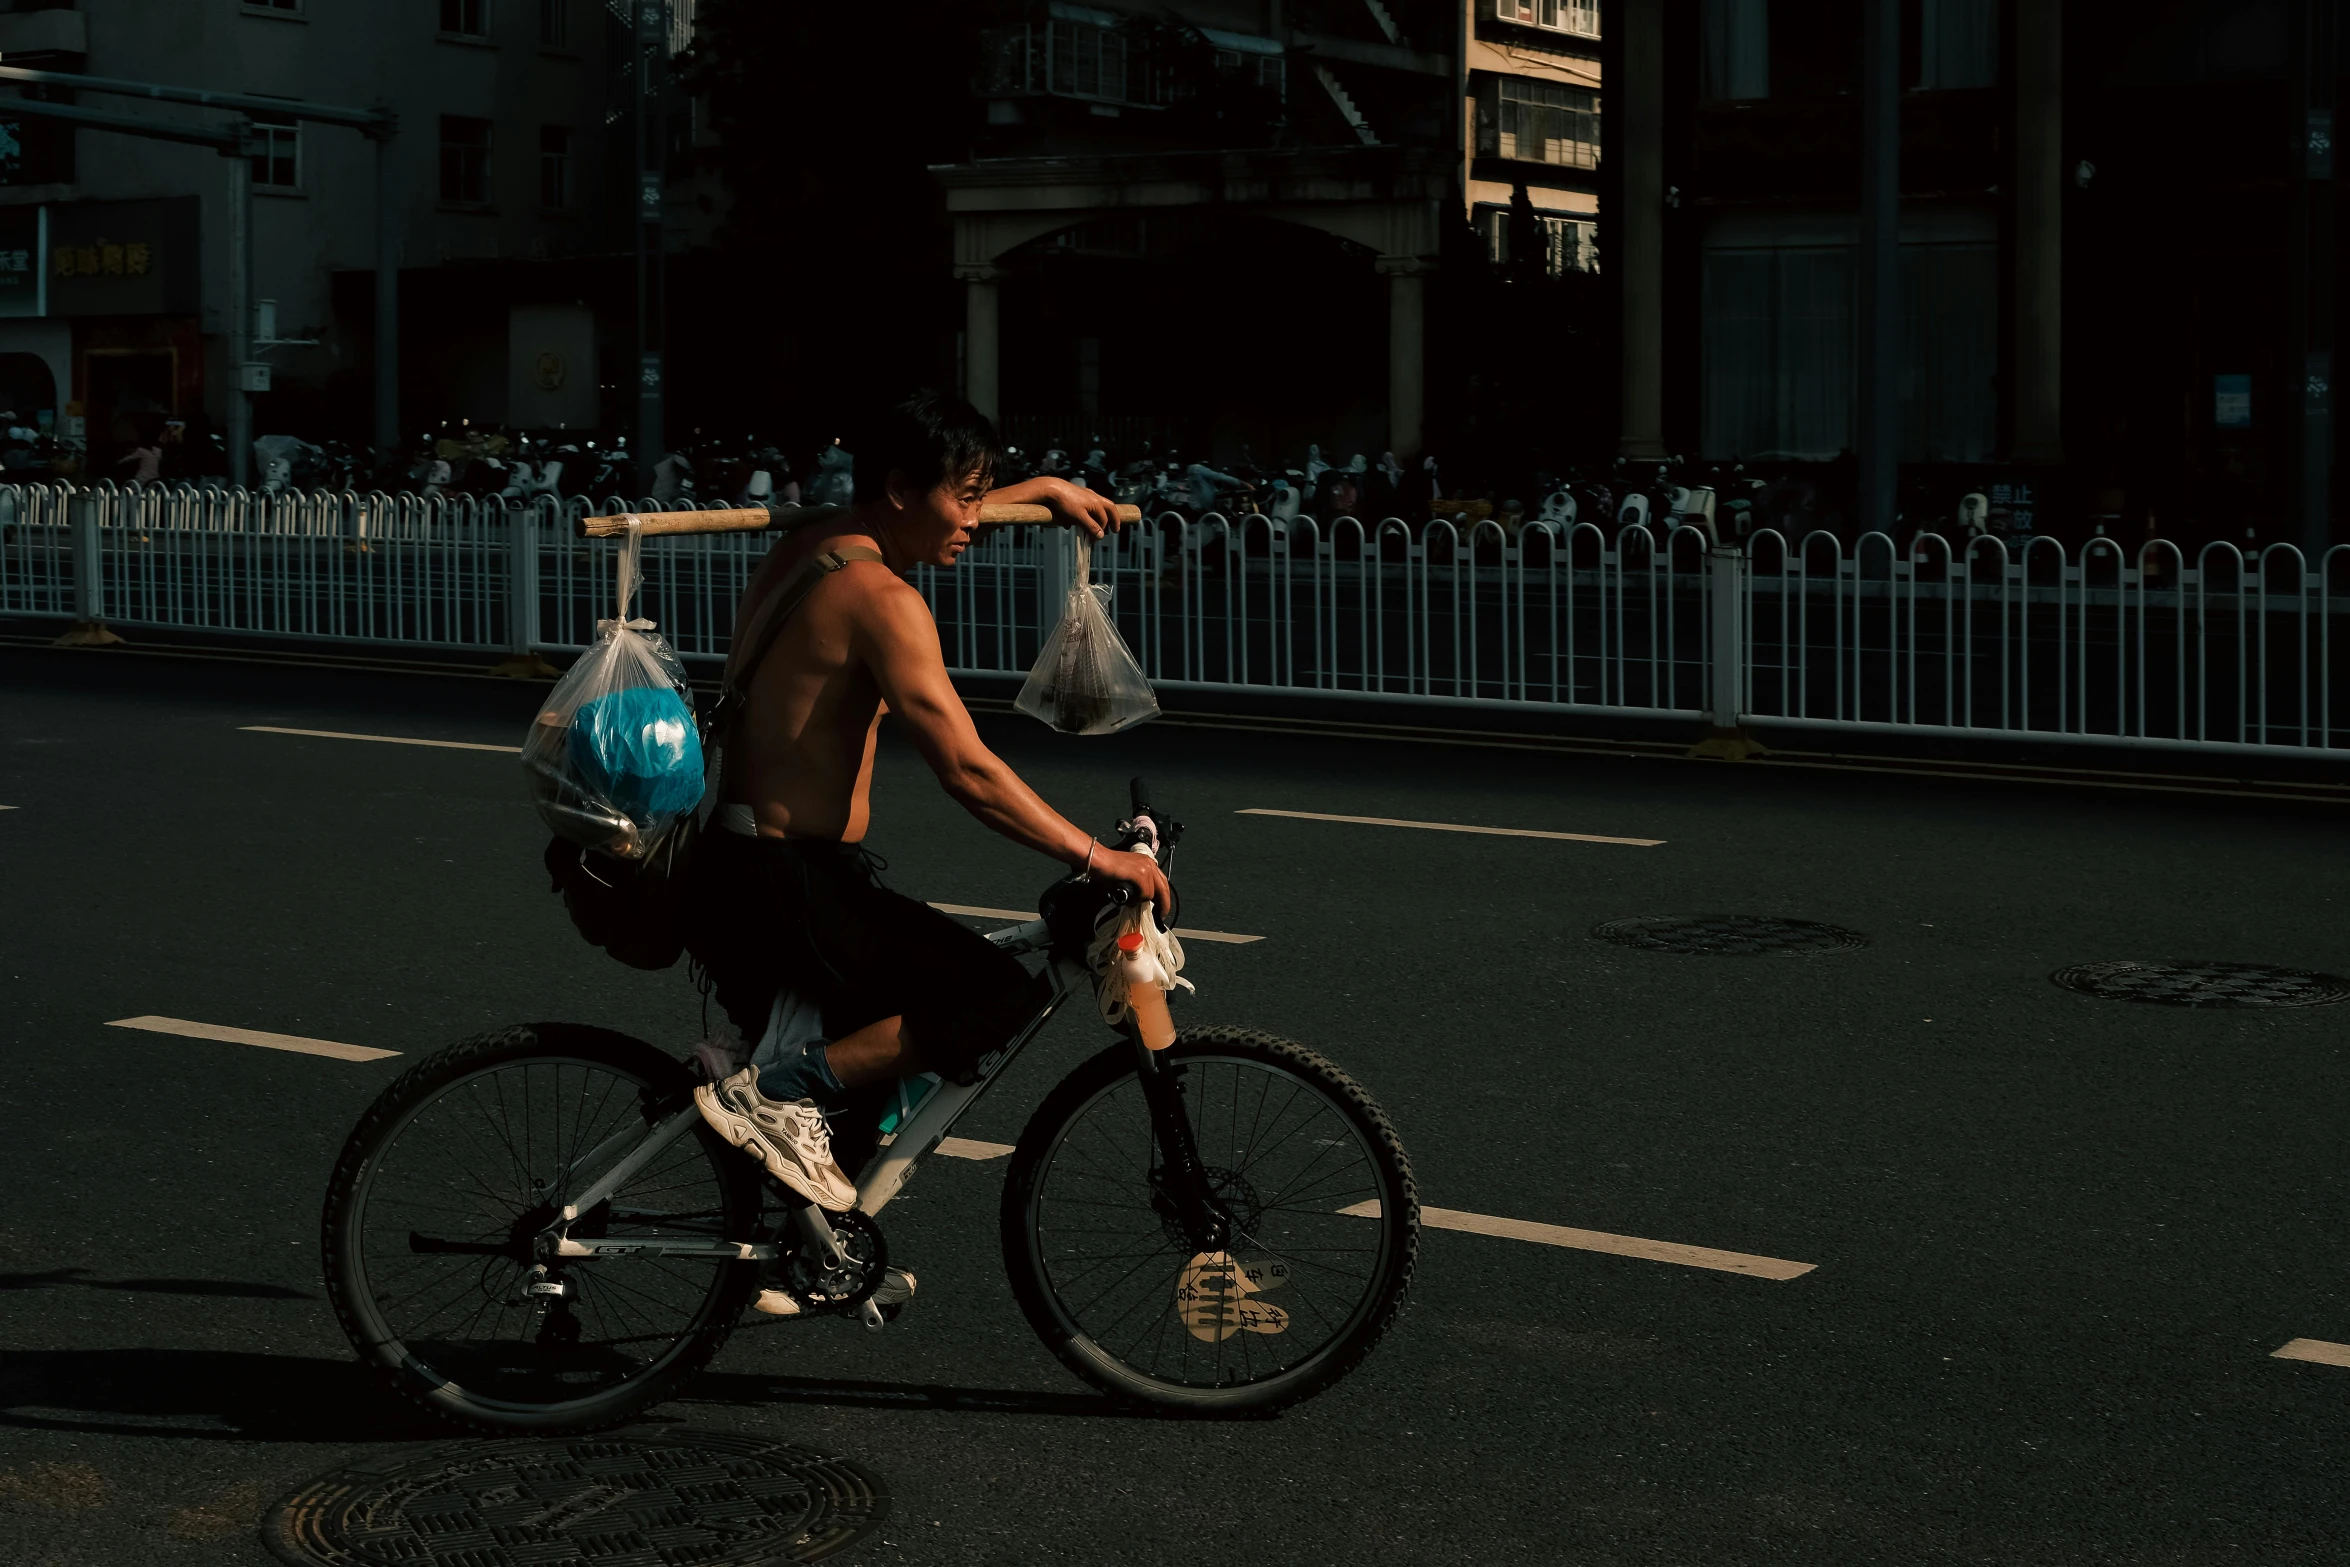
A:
x,y
2056,1239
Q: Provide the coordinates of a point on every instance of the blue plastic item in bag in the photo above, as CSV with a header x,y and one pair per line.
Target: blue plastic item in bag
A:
x,y
637,748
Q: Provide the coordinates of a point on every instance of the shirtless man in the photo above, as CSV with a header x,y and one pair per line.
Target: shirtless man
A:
x,y
786,896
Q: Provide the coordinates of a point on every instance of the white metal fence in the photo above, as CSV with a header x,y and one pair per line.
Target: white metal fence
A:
x,y
2158,648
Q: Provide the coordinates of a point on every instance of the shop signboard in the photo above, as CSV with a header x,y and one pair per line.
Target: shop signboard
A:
x,y
122,258
22,277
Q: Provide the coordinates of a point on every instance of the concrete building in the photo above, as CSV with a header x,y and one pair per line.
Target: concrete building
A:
x,y
1221,223
2093,317
510,257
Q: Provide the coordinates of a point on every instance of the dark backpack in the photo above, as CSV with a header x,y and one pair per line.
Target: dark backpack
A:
x,y
636,909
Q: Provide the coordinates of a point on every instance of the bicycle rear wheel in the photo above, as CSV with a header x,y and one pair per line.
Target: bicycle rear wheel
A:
x,y
434,1204
1325,1215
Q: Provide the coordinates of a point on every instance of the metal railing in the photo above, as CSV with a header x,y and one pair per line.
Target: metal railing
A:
x,y
2220,650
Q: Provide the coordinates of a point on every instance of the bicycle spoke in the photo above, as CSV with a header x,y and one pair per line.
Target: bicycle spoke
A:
x,y
491,1147
1280,1154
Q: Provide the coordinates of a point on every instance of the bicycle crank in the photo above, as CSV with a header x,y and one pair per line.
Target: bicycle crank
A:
x,y
837,1263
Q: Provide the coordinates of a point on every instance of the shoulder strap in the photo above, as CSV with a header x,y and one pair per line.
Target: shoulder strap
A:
x,y
781,607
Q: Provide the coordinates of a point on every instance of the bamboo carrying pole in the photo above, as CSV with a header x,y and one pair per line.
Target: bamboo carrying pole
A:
x,y
751,519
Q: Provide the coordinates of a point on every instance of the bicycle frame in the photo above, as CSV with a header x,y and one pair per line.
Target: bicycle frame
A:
x,y
889,1174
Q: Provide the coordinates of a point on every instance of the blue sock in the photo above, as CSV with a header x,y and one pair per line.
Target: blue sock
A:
x,y
807,1075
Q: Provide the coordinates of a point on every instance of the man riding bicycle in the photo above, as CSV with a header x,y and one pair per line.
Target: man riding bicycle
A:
x,y
786,898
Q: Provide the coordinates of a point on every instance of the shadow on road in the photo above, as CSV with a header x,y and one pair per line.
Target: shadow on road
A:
x,y
206,1395
229,1395
71,1278
745,1389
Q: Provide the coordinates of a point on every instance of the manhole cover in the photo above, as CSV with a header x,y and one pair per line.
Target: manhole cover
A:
x,y
615,1501
2204,984
1741,933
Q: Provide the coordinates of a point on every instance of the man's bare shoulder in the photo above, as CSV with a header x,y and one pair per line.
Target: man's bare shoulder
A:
x,y
878,599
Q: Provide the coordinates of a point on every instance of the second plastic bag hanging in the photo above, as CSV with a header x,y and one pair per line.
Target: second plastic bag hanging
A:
x,y
1086,681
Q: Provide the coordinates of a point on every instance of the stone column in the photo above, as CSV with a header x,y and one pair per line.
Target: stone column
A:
x,y
2038,350
982,339
1633,236
1407,351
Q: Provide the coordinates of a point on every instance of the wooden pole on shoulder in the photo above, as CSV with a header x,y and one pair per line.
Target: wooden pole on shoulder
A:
x,y
790,519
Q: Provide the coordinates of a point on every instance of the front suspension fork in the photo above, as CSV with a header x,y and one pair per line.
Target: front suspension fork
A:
x,y
1181,1180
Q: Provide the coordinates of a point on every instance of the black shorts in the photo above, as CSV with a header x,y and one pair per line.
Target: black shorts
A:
x,y
812,916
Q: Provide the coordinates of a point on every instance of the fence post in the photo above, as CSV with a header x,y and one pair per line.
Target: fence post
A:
x,y
89,592
522,661
1727,739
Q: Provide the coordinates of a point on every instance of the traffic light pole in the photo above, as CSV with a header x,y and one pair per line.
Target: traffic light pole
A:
x,y
652,60
1878,436
235,141
387,305
240,322
2310,261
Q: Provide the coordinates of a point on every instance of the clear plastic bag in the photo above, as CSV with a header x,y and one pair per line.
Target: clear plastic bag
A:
x,y
614,759
1086,681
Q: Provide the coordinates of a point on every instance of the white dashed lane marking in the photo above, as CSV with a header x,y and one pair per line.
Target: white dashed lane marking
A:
x,y
253,1036
972,1148
2315,1350
972,911
1496,832
1599,1240
336,734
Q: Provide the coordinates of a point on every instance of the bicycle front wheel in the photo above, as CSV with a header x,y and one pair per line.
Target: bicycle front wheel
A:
x,y
445,1184
1325,1227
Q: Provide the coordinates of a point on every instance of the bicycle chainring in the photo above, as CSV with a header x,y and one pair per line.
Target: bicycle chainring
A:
x,y
831,1290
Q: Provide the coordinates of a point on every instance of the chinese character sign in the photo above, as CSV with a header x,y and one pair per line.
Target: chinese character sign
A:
x,y
121,258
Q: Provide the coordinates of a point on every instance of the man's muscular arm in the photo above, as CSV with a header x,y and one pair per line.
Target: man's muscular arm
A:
x,y
1078,506
898,641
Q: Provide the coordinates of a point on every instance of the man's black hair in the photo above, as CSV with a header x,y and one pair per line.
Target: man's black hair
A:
x,y
929,437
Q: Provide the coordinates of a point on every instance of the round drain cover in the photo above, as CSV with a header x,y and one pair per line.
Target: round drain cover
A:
x,y
1757,934
615,1501
2204,984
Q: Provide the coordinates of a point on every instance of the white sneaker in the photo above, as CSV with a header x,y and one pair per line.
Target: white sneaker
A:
x,y
792,1140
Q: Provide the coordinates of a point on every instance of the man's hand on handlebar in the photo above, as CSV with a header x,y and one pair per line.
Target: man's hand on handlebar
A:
x,y
1138,871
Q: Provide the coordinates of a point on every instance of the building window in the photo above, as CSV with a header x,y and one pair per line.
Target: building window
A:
x,y
466,18
1738,49
1087,61
465,161
1267,71
1541,122
1958,43
554,24
1580,17
555,167
1568,244
277,152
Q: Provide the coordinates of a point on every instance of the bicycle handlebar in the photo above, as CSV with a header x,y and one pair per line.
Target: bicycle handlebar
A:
x,y
788,519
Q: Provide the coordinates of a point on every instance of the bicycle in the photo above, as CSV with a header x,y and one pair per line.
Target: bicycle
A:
x,y
535,1230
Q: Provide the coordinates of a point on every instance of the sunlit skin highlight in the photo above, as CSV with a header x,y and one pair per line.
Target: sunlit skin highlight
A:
x,y
863,645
